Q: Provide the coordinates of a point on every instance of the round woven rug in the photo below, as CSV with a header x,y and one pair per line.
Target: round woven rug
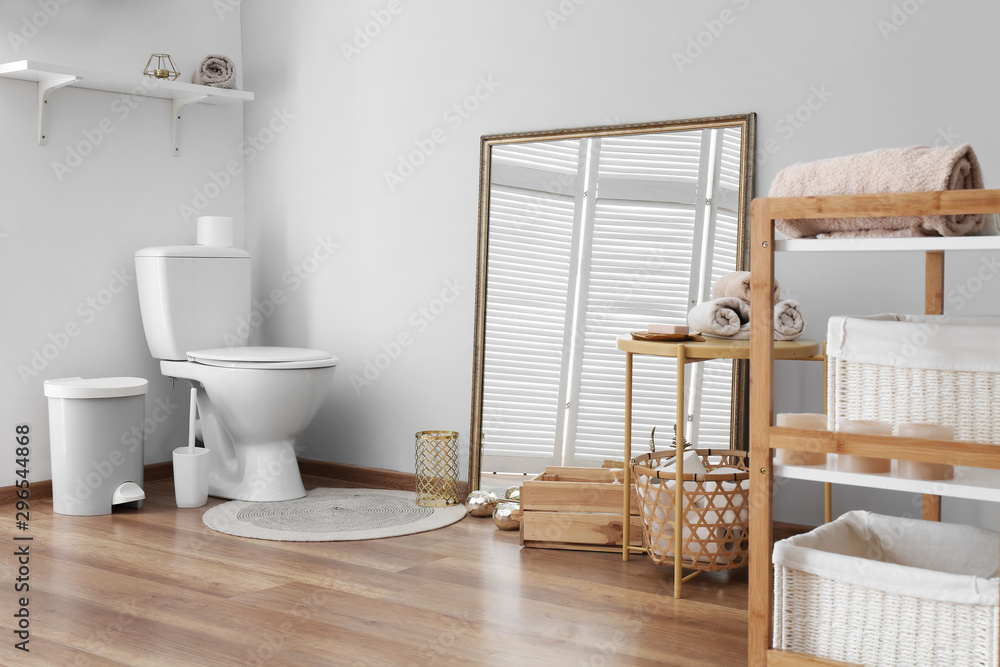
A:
x,y
331,515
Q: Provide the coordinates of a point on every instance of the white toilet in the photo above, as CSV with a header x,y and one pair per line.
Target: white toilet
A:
x,y
253,401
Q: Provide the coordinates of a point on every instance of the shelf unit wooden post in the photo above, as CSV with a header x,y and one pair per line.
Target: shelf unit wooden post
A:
x,y
685,353
933,305
764,437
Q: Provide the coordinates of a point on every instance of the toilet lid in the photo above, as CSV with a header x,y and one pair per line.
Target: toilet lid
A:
x,y
264,357
77,387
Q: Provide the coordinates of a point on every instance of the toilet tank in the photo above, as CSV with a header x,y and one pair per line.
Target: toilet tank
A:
x,y
193,298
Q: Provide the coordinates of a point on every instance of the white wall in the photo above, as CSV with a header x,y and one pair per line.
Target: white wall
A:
x,y
558,64
65,236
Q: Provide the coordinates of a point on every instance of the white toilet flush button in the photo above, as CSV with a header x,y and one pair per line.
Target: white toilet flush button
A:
x,y
215,230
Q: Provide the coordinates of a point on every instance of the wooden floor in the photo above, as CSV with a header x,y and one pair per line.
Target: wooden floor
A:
x,y
156,587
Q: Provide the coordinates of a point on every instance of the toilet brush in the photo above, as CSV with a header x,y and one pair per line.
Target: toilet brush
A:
x,y
191,419
191,466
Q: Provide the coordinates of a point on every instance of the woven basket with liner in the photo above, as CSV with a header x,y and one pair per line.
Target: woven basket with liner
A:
x,y
916,368
714,535
878,590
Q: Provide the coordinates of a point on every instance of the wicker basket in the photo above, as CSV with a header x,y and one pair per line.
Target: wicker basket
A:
x,y
916,368
716,510
877,590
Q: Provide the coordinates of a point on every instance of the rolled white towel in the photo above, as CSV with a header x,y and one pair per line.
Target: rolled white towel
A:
x,y
789,322
727,317
216,71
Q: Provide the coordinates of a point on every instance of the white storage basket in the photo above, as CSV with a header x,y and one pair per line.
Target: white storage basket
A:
x,y
916,368
878,590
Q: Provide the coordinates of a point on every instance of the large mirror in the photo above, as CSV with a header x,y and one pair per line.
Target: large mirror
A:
x,y
585,235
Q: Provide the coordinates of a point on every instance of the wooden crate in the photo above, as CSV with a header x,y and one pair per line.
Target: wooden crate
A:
x,y
576,508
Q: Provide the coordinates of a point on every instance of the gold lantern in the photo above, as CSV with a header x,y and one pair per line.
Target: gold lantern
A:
x,y
164,68
437,468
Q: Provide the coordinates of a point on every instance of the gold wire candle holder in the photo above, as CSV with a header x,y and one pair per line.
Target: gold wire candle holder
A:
x,y
163,69
437,468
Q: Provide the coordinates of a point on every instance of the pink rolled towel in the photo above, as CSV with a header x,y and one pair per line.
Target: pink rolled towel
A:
x,y
789,322
737,284
913,169
217,71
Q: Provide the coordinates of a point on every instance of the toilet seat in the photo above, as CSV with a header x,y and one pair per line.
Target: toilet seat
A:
x,y
263,358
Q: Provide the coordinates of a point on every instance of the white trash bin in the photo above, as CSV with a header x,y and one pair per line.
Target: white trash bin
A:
x,y
96,440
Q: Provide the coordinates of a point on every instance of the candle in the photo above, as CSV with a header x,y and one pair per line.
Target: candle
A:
x,y
919,469
803,420
866,464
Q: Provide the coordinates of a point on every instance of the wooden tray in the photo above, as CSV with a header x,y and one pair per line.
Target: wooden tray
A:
x,y
670,338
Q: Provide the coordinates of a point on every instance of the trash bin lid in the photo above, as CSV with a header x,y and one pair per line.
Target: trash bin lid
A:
x,y
94,387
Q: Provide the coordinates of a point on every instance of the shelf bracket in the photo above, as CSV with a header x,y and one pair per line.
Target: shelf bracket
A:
x,y
44,88
176,105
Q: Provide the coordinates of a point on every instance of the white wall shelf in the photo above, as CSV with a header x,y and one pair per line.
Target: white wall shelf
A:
x,y
922,244
969,483
51,77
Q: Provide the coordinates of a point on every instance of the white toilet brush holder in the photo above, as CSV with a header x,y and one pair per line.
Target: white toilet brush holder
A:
x,y
191,466
191,476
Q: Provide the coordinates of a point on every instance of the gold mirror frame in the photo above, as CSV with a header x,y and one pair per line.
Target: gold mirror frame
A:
x,y
747,123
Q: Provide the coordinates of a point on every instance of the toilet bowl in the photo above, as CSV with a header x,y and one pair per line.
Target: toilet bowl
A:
x,y
253,401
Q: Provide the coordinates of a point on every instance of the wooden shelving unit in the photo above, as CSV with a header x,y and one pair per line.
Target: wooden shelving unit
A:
x,y
764,437
52,77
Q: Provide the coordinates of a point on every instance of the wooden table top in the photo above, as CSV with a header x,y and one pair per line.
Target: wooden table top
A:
x,y
719,348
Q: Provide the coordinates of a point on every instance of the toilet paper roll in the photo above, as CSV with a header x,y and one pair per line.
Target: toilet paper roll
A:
x,y
215,230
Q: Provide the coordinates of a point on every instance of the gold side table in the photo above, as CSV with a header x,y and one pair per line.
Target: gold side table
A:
x,y
687,352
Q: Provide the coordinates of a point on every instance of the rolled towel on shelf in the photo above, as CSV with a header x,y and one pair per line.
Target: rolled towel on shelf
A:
x,y
727,317
216,71
789,322
737,284
913,169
